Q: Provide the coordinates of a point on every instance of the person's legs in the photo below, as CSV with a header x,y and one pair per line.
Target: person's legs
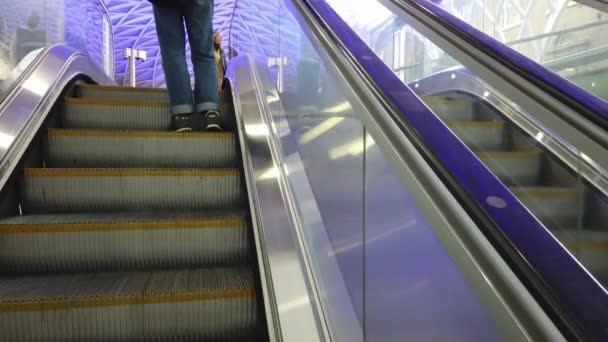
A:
x,y
199,22
172,40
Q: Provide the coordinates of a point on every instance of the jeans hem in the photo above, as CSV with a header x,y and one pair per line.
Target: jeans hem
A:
x,y
181,109
201,107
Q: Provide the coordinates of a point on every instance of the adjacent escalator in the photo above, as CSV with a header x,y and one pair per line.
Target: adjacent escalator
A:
x,y
571,208
117,229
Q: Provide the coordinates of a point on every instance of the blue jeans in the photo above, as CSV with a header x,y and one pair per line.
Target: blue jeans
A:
x,y
198,15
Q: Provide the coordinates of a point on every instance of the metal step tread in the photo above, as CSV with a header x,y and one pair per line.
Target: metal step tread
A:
x,y
479,135
138,112
509,154
79,190
434,99
121,93
475,124
114,103
583,239
123,89
546,192
126,133
129,172
121,221
92,148
34,244
67,291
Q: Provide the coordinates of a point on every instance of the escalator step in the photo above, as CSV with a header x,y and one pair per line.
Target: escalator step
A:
x,y
480,135
450,109
116,114
104,190
122,93
590,247
199,304
557,208
514,167
87,243
162,149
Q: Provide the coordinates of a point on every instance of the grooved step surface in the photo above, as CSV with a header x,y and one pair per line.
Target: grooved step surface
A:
x,y
122,93
159,149
169,305
584,239
450,109
104,190
558,208
480,135
513,168
96,243
129,232
116,114
590,247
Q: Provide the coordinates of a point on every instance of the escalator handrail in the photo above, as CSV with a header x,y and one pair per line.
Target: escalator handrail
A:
x,y
19,79
24,110
578,301
588,105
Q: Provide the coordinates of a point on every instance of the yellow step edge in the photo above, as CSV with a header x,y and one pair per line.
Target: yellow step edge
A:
x,y
451,102
32,228
91,302
125,89
588,245
136,134
115,103
476,124
59,172
508,154
546,193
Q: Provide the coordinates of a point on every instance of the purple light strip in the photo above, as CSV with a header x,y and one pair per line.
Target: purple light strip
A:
x,y
577,290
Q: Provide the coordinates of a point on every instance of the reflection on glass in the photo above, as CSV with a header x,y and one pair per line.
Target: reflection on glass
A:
x,y
27,27
492,126
565,36
378,265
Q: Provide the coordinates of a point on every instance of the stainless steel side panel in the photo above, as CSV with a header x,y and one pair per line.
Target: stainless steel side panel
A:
x,y
291,309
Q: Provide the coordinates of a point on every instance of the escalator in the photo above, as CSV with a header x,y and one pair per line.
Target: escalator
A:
x,y
573,210
114,228
123,230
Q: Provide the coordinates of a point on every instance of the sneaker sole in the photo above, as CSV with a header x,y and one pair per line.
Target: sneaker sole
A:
x,y
185,129
214,127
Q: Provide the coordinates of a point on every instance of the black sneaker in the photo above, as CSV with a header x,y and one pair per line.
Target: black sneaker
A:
x,y
213,120
181,123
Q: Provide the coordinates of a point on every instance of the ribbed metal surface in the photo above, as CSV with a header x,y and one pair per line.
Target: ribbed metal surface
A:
x,y
122,93
113,114
514,168
159,210
480,136
121,217
557,208
450,109
590,246
94,190
103,245
200,304
96,148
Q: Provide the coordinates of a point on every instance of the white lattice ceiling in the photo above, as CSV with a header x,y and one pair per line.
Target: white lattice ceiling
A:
x,y
253,25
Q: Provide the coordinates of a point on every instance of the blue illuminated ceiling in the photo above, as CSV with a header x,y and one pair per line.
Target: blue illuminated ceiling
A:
x,y
255,29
